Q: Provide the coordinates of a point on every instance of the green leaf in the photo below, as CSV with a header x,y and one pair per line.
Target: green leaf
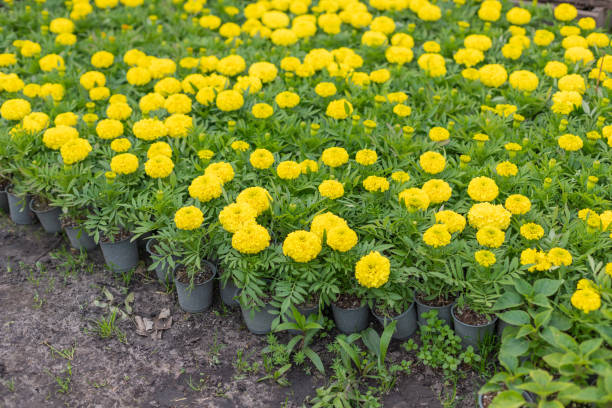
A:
x,y
547,287
508,300
515,317
523,287
515,347
316,360
508,399
542,318
588,347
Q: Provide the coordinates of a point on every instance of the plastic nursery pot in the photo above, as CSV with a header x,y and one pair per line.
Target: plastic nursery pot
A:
x,y
4,206
406,322
444,312
120,256
258,321
199,297
162,270
19,210
304,311
472,335
351,320
79,239
49,219
228,293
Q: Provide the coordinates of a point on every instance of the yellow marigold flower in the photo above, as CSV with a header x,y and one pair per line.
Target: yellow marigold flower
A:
x,y
532,231
375,183
570,143
565,12
159,166
400,176
252,238
490,236
437,236
109,129
323,223
341,238
309,166
482,189
493,75
325,89
485,258
236,215
438,191
102,59
188,218
587,300
334,156
287,100
50,62
517,204
439,134
240,146
15,109
262,110
331,189
537,259
414,199
559,256
402,110
366,157
55,137
302,246
178,103
257,197
339,109
372,270
159,148
288,170
609,269
75,150
125,163
205,154
483,214
120,145
119,111
222,170
524,80
432,162
261,159
453,221
229,100
205,188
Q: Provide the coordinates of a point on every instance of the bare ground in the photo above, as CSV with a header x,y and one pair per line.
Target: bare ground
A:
x,y
51,356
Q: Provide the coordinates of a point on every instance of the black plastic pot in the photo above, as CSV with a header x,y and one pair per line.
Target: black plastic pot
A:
x,y
229,291
444,312
49,219
120,256
472,335
199,297
19,210
80,239
351,320
406,322
258,321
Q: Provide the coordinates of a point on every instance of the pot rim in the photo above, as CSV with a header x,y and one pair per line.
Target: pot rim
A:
x,y
451,304
118,242
41,212
490,323
214,269
364,306
399,316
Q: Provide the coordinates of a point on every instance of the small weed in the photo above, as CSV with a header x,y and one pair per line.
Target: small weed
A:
x,y
215,350
38,300
98,385
242,366
63,381
197,387
106,327
68,353
70,264
9,384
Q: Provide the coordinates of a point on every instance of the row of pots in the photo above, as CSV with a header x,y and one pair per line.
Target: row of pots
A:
x,y
122,256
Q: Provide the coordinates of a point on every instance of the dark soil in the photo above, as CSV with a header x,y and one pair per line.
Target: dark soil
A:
x,y
50,300
122,235
488,398
468,316
201,277
40,204
436,302
68,222
346,301
4,184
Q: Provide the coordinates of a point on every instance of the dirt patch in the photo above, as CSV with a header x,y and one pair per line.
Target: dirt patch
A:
x,y
51,355
199,278
436,302
346,301
468,316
